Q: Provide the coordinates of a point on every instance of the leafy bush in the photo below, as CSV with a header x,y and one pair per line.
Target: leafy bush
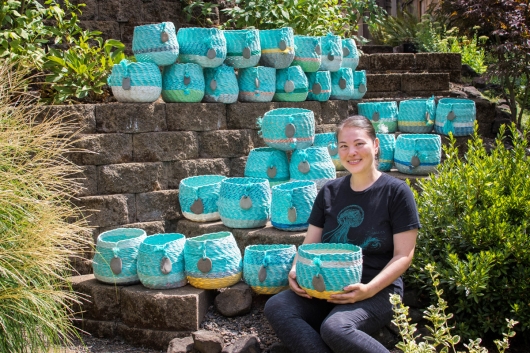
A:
x,y
475,218
472,50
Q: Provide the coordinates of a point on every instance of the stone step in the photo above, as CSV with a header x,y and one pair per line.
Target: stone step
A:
x,y
407,85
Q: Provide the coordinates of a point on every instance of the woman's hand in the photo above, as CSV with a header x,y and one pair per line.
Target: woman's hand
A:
x,y
354,293
293,284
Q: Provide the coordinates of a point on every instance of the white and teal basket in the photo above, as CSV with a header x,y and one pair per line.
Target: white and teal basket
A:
x,y
291,85
287,129
383,115
135,82
198,196
417,115
203,46
314,164
456,116
183,83
221,85
418,154
331,58
245,202
342,84
307,52
115,261
155,43
319,84
277,47
387,146
268,163
161,261
243,48
256,84
291,205
359,84
329,141
350,54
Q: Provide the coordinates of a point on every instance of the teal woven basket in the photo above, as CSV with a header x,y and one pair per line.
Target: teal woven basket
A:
x,y
203,46
287,129
183,83
268,163
383,115
387,146
291,85
307,52
342,84
256,84
314,164
359,84
135,82
331,58
277,47
417,115
115,261
245,202
161,261
455,115
329,141
418,154
319,84
323,269
243,48
350,54
198,196
155,43
266,267
291,205
221,85
213,261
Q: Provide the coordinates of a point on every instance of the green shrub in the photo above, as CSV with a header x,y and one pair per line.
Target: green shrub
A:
x,y
475,217
471,49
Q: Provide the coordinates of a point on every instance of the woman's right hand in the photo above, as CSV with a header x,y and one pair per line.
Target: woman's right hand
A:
x,y
293,284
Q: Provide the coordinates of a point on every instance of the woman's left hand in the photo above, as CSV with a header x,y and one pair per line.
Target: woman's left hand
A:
x,y
354,293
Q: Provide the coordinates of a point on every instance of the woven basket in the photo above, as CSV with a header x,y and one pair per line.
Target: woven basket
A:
x,y
268,163
319,84
307,53
359,84
329,140
243,48
161,261
183,83
387,146
331,53
203,46
455,115
277,127
244,202
291,85
323,269
291,205
135,82
221,85
198,196
277,47
115,261
342,84
418,154
314,164
383,115
417,115
213,261
266,267
256,84
350,54
156,43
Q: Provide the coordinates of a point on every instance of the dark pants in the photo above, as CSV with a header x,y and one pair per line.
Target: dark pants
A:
x,y
316,326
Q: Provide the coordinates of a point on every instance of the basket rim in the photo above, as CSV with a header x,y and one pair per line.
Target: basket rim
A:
x,y
298,184
244,180
455,101
418,137
306,249
268,247
210,236
194,181
153,25
128,233
163,239
280,112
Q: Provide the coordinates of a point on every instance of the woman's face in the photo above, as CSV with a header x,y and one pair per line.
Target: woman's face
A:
x,y
357,151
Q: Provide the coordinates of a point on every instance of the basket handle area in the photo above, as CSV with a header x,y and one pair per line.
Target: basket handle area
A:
x,y
332,47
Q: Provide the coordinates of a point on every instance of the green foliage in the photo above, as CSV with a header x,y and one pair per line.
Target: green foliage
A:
x,y
475,218
199,11
472,50
304,16
394,31
441,340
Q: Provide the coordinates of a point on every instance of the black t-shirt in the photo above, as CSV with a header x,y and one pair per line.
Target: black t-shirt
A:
x,y
368,218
